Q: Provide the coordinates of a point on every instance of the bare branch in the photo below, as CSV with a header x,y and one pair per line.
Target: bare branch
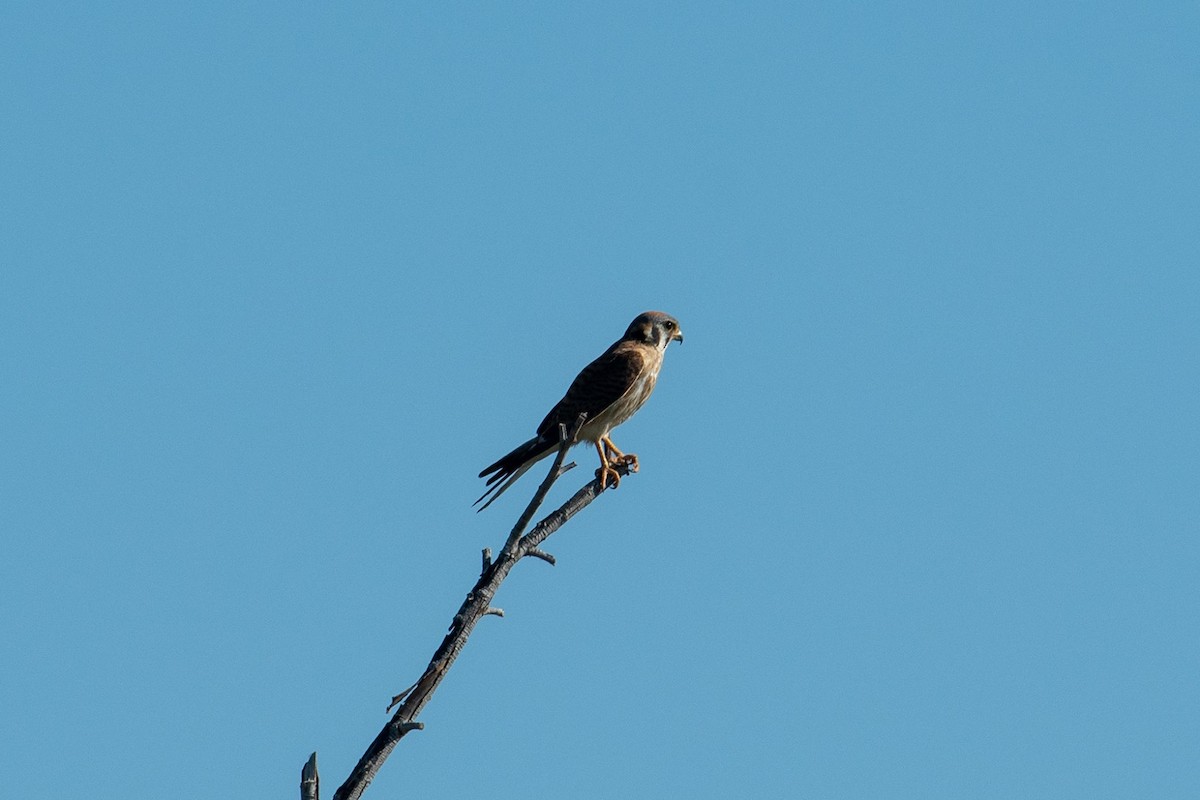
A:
x,y
565,440
559,517
476,605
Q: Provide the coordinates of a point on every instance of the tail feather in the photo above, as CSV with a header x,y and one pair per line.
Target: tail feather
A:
x,y
511,467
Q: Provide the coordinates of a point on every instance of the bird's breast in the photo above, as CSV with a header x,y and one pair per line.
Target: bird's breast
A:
x,y
622,409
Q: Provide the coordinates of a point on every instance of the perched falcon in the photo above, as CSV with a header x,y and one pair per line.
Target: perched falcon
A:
x,y
610,389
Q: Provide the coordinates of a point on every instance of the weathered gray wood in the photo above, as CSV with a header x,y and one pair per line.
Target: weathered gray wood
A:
x,y
477,604
310,783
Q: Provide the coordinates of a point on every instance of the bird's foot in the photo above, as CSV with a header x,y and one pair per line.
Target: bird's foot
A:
x,y
606,472
615,456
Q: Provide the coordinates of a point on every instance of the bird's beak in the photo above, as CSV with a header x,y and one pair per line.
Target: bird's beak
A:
x,y
678,337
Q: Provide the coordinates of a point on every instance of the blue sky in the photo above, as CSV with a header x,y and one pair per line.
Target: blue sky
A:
x,y
919,499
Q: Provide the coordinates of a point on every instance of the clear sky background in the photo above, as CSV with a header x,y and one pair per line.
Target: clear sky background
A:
x,y
919,506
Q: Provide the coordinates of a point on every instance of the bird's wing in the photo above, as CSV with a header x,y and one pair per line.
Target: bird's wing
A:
x,y
597,386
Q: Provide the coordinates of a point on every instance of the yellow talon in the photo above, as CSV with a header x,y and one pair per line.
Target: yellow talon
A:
x,y
606,469
615,455
603,474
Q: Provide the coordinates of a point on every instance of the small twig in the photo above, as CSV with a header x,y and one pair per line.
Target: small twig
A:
x,y
487,560
398,699
493,612
543,555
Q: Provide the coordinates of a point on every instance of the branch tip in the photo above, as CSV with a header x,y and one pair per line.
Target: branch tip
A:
x,y
309,780
543,555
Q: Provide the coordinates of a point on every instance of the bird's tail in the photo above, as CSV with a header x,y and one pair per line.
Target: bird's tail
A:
x,y
512,466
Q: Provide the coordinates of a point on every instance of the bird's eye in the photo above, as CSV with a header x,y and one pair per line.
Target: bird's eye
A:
x,y
668,324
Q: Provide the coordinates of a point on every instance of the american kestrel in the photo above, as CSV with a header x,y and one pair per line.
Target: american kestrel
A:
x,y
610,390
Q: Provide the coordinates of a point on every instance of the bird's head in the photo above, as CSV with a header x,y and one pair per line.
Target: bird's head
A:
x,y
655,328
